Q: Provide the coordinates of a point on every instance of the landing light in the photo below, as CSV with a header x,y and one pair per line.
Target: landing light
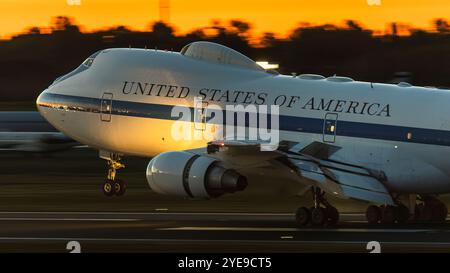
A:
x,y
267,65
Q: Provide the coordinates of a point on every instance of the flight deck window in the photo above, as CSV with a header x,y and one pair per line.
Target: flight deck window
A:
x,y
85,65
88,62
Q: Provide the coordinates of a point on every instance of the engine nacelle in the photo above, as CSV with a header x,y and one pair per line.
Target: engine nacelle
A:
x,y
190,175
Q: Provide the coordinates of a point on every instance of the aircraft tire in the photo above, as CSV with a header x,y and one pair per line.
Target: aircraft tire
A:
x,y
424,212
388,215
373,215
332,215
108,188
120,188
318,216
439,211
401,214
302,216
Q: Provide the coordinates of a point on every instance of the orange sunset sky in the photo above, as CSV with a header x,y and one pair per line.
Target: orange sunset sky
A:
x,y
278,16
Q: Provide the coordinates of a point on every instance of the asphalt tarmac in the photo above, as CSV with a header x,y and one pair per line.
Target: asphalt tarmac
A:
x,y
206,232
49,200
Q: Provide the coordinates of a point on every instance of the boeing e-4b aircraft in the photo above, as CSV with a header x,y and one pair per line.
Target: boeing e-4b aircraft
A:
x,y
384,144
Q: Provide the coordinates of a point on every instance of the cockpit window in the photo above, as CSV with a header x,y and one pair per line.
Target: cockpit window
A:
x,y
88,62
85,65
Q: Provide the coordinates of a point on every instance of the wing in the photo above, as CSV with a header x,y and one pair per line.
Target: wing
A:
x,y
311,163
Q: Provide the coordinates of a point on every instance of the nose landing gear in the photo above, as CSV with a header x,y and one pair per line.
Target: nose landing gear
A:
x,y
112,185
111,188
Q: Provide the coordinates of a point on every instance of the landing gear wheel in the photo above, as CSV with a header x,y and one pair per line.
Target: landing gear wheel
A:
x,y
302,216
418,212
388,215
373,215
108,188
424,212
318,216
431,210
333,216
119,188
402,214
440,211
113,185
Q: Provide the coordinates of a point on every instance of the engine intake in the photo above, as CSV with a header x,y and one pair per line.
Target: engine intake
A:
x,y
190,175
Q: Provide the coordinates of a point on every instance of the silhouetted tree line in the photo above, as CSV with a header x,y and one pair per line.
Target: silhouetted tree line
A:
x,y
31,61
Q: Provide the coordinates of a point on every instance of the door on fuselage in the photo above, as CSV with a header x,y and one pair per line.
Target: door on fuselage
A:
x,y
330,127
200,115
106,107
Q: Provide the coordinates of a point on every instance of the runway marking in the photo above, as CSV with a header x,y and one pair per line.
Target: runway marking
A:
x,y
155,213
69,219
161,211
226,241
174,214
293,229
228,229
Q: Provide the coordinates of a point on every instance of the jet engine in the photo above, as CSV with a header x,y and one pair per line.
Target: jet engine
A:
x,y
190,175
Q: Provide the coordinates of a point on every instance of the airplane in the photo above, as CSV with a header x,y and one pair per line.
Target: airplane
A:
x,y
383,144
29,132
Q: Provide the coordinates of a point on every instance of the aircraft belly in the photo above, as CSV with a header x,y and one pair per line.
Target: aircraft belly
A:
x,y
148,137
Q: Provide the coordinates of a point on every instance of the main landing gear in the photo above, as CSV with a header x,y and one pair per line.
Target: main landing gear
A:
x,y
387,214
429,210
112,185
321,214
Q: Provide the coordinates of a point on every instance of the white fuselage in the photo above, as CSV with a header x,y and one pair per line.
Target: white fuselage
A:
x,y
122,103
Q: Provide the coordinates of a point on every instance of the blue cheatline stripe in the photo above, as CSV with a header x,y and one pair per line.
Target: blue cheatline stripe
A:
x,y
287,123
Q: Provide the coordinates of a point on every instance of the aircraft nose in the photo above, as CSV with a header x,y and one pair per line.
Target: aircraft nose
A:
x,y
51,109
40,102
45,105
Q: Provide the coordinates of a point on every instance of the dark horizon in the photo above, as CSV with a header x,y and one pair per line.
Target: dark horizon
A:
x,y
31,61
437,25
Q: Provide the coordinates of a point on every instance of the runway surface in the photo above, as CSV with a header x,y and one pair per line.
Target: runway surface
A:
x,y
206,232
143,221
